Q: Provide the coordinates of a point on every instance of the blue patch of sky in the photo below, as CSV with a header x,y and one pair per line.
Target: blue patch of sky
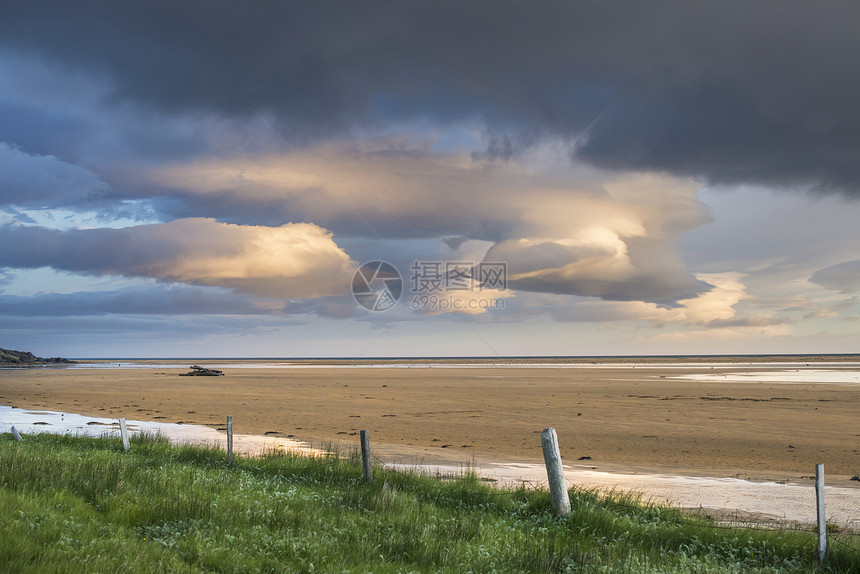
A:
x,y
125,214
24,282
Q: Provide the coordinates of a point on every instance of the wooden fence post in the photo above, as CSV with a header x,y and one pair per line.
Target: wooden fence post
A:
x,y
123,431
555,472
822,521
365,456
229,439
16,435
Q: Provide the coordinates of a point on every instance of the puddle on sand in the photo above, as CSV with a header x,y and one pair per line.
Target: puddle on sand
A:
x,y
69,423
799,376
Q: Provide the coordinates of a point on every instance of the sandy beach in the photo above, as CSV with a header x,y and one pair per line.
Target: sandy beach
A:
x,y
762,420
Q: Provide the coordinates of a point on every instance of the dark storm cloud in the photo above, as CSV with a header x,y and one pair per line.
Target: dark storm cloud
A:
x,y
454,243
154,300
843,277
37,181
168,299
754,321
736,91
39,132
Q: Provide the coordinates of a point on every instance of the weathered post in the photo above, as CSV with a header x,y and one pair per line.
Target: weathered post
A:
x,y
123,431
229,439
365,456
555,472
16,435
822,521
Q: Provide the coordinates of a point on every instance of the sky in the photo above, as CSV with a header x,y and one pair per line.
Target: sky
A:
x,y
214,179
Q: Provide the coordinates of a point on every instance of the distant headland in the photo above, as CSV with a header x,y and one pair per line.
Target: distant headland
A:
x,y
23,359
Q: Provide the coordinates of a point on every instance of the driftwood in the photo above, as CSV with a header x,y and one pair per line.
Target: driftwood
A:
x,y
197,371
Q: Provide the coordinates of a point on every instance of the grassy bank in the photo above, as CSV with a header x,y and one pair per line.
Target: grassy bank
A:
x,y
81,504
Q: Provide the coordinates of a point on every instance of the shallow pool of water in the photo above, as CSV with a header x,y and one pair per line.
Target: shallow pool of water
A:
x,y
28,421
802,376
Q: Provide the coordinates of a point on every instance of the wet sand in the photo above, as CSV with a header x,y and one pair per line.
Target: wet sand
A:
x,y
624,416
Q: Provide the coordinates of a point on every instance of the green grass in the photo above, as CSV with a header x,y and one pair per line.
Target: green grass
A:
x,y
74,504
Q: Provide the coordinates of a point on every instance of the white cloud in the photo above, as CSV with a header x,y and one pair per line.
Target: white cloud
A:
x,y
717,304
560,226
295,260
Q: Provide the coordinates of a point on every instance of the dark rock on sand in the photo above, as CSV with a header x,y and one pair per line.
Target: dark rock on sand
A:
x,y
198,371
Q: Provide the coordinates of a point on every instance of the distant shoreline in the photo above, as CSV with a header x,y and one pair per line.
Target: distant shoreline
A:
x,y
693,363
752,358
14,358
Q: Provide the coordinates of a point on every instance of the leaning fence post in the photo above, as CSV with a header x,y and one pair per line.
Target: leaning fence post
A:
x,y
822,522
229,439
123,431
555,472
365,455
16,435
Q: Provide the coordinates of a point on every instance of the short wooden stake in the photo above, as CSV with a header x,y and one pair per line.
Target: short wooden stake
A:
x,y
123,431
555,472
229,439
365,456
822,521
16,435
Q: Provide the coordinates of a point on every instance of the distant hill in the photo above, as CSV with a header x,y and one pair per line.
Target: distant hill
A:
x,y
8,357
